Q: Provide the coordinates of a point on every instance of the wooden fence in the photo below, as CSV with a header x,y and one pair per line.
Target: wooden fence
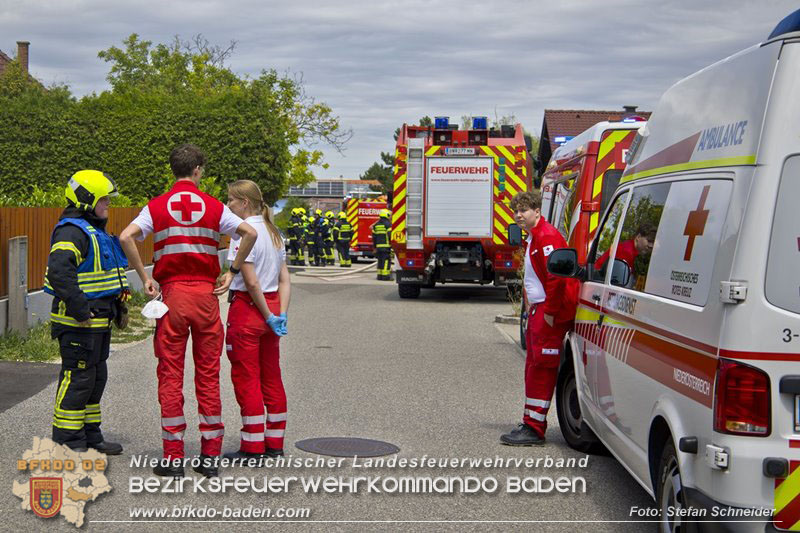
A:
x,y
37,223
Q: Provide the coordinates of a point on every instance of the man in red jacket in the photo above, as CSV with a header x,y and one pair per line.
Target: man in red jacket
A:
x,y
186,224
553,301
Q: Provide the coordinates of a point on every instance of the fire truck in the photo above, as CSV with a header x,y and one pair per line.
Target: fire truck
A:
x,y
362,211
450,210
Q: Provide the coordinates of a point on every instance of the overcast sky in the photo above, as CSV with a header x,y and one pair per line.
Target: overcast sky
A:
x,y
380,63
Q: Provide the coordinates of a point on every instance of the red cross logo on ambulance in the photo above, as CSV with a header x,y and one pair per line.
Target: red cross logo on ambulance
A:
x,y
186,207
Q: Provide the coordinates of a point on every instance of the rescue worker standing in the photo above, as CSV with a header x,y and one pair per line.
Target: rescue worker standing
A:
x,y
85,274
553,302
329,239
295,226
383,250
186,224
344,234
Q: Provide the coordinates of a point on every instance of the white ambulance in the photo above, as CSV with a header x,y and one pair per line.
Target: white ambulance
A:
x,y
684,361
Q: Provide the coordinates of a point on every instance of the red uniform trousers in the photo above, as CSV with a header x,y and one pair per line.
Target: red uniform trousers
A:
x,y
254,352
541,368
192,306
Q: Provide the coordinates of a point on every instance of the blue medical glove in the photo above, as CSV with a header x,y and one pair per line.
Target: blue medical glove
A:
x,y
277,324
285,322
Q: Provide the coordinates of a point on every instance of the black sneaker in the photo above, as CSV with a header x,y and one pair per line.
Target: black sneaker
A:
x,y
108,448
523,435
207,466
169,471
239,454
273,452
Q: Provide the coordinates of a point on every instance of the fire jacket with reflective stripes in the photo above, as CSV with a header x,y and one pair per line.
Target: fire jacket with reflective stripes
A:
x,y
380,233
85,273
344,231
186,224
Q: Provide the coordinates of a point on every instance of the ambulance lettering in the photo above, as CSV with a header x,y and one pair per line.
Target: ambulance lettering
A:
x,y
722,136
693,382
621,303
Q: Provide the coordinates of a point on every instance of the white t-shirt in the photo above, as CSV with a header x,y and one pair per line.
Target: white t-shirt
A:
x,y
533,287
266,259
227,224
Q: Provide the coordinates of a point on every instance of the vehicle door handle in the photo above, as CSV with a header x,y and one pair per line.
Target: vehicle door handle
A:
x,y
596,297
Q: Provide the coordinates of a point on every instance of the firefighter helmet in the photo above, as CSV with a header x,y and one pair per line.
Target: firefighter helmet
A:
x,y
385,213
318,213
342,215
86,187
302,210
329,214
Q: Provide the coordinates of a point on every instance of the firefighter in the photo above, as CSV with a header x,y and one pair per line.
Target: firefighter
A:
x,y
86,276
294,236
320,231
310,240
344,234
303,237
329,239
186,224
553,302
256,320
380,240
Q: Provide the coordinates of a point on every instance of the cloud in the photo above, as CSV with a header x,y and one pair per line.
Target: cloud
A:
x,y
381,63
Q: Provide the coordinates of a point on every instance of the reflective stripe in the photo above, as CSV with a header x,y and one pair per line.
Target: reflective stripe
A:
x,y
72,415
92,419
277,417
69,247
62,388
533,402
166,435
69,321
212,434
536,416
174,421
65,424
550,351
274,433
185,232
252,437
185,248
253,419
210,419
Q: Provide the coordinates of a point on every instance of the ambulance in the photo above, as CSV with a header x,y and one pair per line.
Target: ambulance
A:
x,y
684,361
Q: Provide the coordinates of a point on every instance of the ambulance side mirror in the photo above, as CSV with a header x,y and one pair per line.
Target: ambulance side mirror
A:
x,y
564,263
514,235
620,273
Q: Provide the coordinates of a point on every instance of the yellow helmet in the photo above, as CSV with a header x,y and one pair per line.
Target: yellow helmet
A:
x,y
311,219
302,210
342,215
385,213
86,187
329,214
304,218
296,211
318,212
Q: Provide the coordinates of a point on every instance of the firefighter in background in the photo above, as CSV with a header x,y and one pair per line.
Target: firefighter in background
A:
x,y
310,240
344,234
383,250
294,237
553,302
329,239
186,224
303,237
86,275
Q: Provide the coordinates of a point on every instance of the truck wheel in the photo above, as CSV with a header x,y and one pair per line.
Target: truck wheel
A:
x,y
669,492
577,434
408,290
523,328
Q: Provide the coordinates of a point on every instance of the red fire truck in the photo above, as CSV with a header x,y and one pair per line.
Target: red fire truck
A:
x,y
362,212
450,209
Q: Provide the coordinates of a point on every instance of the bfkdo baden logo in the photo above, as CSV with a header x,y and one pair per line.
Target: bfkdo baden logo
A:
x,y
46,495
61,481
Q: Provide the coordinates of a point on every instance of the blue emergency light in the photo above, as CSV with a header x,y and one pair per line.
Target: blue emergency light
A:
x,y
479,123
441,123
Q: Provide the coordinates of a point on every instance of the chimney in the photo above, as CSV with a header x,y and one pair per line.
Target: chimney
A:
x,y
22,55
629,109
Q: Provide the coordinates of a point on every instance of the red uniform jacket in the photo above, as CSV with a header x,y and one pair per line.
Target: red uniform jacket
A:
x,y
561,294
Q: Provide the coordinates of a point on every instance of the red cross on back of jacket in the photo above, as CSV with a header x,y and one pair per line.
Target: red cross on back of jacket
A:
x,y
185,234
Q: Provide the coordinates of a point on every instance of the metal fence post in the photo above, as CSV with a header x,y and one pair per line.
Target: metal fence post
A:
x,y
18,284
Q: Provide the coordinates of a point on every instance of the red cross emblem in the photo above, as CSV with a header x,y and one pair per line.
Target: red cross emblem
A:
x,y
696,223
186,207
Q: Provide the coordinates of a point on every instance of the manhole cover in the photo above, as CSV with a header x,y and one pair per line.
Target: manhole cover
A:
x,y
347,447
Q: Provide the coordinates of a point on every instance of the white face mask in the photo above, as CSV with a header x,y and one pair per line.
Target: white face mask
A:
x,y
155,308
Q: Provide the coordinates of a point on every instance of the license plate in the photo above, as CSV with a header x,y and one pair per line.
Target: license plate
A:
x,y
797,413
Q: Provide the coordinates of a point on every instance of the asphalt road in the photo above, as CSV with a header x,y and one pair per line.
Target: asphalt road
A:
x,y
434,376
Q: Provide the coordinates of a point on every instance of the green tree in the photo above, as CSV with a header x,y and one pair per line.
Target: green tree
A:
x,y
282,218
380,173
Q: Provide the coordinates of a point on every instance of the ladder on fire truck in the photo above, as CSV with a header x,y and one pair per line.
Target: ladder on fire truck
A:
x,y
414,177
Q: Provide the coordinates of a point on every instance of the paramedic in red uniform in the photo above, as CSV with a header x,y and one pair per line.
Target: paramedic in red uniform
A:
x,y
256,320
553,302
630,249
186,224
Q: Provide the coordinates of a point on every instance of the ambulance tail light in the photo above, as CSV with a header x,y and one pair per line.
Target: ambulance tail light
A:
x,y
741,402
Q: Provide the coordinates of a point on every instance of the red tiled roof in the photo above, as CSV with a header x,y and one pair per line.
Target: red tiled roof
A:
x,y
572,122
